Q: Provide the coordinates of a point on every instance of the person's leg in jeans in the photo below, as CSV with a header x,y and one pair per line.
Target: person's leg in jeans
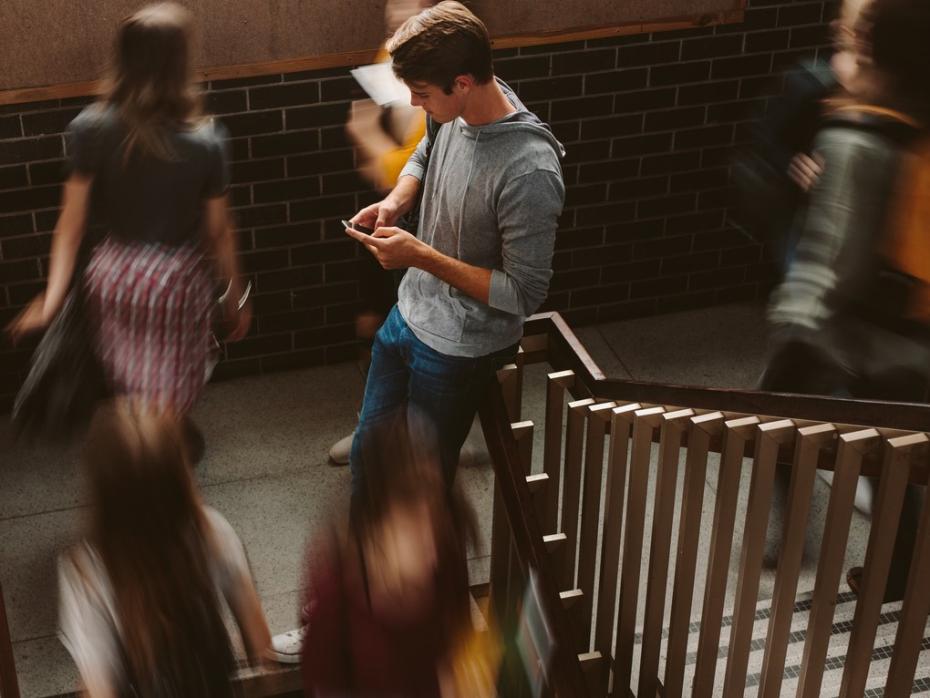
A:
x,y
385,388
448,390
445,390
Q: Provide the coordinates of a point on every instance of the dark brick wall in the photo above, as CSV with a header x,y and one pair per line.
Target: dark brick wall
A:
x,y
648,121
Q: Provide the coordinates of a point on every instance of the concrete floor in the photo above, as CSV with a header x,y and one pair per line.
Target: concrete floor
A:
x,y
266,470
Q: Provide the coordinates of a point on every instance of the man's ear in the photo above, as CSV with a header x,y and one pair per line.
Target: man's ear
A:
x,y
463,83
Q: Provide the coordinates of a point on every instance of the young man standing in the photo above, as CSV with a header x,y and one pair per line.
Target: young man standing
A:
x,y
481,261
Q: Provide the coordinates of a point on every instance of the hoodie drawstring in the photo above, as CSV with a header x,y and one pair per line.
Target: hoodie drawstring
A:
x,y
471,169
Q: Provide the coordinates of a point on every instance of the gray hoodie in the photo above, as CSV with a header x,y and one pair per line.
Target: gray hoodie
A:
x,y
492,198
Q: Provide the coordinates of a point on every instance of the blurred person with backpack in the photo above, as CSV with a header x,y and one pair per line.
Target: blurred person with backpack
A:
x,y
852,316
775,172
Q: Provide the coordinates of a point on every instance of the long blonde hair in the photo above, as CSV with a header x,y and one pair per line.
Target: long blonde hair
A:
x,y
152,86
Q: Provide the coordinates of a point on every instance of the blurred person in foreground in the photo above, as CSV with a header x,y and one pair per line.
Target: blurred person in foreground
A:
x,y
153,171
852,316
481,259
384,139
141,596
387,610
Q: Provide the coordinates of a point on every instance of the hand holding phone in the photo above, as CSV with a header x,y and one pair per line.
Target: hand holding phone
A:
x,y
357,226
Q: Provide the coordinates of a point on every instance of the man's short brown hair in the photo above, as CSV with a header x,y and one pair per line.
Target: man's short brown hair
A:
x,y
441,43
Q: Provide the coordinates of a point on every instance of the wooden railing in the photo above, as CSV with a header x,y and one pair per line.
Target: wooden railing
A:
x,y
589,563
520,547
617,590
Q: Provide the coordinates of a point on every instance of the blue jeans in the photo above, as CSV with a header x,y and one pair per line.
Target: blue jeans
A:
x,y
407,374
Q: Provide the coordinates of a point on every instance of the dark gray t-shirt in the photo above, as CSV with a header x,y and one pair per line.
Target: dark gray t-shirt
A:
x,y
148,199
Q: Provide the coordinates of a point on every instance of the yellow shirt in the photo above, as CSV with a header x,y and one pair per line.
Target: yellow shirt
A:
x,y
393,162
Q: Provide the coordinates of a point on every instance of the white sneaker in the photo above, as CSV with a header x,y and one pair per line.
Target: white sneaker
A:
x,y
285,647
339,453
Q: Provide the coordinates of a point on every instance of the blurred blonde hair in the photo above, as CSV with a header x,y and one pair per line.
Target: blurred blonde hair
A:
x,y
152,86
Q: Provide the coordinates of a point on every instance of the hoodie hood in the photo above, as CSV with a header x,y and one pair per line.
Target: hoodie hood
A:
x,y
522,120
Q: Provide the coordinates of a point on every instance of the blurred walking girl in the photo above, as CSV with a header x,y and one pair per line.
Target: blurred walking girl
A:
x,y
148,167
141,597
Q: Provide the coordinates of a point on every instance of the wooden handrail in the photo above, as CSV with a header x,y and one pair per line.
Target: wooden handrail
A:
x,y
566,677
564,351
806,433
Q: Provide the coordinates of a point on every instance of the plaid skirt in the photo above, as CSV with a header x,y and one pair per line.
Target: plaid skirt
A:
x,y
151,308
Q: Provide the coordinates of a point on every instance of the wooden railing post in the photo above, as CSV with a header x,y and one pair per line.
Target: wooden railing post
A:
x,y
848,464
511,383
738,433
811,441
557,384
663,511
523,435
571,485
620,428
885,519
702,429
769,438
916,607
644,426
598,416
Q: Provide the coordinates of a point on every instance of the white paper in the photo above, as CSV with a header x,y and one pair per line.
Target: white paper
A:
x,y
380,83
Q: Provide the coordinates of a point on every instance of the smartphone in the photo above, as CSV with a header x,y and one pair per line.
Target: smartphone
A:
x,y
358,227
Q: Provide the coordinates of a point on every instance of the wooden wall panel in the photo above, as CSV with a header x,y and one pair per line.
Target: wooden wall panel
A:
x,y
66,45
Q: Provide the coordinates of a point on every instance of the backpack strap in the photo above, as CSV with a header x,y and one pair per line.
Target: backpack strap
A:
x,y
876,111
897,126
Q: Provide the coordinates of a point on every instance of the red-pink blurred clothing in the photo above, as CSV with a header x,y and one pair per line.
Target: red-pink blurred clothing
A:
x,y
350,651
150,305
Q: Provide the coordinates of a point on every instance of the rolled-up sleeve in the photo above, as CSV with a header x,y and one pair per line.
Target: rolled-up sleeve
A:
x,y
528,211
